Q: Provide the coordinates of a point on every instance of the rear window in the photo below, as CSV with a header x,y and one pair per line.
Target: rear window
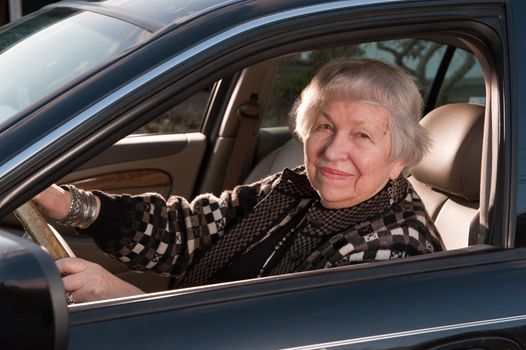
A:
x,y
463,80
42,53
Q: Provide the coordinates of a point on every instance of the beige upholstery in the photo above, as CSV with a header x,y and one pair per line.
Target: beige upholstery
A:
x,y
290,155
453,163
447,179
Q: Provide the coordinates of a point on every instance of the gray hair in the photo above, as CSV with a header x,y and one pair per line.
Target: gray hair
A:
x,y
373,82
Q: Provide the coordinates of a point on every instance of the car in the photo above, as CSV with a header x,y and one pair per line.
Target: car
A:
x,y
189,97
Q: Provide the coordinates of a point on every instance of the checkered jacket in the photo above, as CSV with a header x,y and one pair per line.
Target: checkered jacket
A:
x,y
196,241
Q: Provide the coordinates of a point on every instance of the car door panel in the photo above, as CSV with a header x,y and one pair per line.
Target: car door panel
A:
x,y
138,163
419,303
128,181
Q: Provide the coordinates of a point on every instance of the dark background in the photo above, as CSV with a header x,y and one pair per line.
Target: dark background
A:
x,y
28,6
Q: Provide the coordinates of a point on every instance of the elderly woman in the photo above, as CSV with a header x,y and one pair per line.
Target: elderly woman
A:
x,y
358,121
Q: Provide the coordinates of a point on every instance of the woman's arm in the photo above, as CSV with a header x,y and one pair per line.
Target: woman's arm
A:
x,y
147,232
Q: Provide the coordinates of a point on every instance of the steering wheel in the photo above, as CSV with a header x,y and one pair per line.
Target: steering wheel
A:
x,y
41,232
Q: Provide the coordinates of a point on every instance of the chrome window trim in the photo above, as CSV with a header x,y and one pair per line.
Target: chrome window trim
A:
x,y
429,330
17,161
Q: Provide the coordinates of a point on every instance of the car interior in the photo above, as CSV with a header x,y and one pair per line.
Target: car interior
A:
x,y
252,139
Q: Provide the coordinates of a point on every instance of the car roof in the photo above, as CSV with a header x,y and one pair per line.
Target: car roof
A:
x,y
154,15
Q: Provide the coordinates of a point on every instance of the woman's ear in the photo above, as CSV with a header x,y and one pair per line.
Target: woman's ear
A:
x,y
397,168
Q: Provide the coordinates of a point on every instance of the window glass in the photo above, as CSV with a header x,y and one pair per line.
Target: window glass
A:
x,y
420,58
464,81
187,116
42,53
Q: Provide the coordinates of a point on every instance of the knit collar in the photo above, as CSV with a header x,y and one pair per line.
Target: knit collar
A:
x,y
295,183
326,221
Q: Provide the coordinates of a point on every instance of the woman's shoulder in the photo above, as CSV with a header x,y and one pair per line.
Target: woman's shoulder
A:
x,y
415,220
412,204
406,221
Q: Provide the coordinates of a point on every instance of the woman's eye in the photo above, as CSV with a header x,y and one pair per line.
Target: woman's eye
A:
x,y
323,127
363,135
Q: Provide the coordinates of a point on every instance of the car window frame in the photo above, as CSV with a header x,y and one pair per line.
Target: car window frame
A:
x,y
388,36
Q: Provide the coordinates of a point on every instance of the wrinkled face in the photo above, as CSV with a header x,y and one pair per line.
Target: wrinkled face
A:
x,y
347,153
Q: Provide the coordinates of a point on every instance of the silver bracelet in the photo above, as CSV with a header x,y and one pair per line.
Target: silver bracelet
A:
x,y
82,210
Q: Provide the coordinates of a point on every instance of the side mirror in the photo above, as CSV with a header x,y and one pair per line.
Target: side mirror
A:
x,y
32,298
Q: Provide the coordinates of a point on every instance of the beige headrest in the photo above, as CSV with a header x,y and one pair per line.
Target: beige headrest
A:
x,y
453,162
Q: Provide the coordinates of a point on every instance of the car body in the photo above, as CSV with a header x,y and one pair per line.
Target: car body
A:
x,y
79,77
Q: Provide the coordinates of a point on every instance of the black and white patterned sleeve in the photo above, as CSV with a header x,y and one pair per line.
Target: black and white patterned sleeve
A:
x,y
147,232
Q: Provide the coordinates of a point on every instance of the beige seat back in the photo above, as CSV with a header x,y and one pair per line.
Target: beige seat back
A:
x,y
448,178
290,155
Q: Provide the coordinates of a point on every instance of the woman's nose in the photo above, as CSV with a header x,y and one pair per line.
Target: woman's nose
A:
x,y
336,148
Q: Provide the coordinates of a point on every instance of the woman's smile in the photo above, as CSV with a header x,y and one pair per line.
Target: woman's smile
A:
x,y
333,173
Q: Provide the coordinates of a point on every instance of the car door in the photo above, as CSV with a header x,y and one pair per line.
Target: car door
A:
x,y
464,298
405,304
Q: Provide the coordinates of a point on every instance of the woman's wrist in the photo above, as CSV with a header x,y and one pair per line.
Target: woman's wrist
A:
x,y
83,209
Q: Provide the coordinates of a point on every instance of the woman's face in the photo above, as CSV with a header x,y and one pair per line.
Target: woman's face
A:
x,y
347,153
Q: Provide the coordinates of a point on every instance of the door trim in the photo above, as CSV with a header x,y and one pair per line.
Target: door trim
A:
x,y
409,333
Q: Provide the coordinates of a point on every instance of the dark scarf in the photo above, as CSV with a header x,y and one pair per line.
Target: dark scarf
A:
x,y
320,225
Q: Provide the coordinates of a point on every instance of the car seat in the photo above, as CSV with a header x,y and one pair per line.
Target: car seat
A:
x,y
290,155
448,178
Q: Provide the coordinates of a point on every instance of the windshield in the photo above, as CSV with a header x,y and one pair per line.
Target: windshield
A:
x,y
43,53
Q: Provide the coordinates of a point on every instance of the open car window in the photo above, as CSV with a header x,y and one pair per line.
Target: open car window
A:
x,y
451,73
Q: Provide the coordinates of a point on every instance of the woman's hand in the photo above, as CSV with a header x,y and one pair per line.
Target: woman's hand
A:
x,y
87,281
54,201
